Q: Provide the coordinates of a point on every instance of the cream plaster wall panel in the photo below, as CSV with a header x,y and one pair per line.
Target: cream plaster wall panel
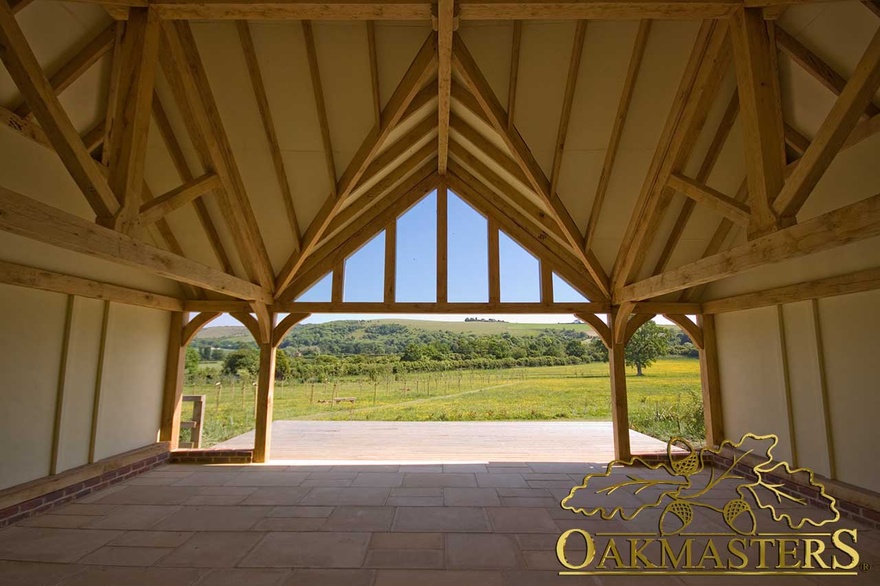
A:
x,y
666,54
837,261
579,178
225,65
490,44
543,68
79,383
178,125
85,100
397,44
750,368
30,356
134,371
850,325
344,61
854,175
309,184
806,388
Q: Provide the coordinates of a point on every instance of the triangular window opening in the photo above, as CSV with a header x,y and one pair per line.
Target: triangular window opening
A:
x,y
361,270
468,252
320,292
565,293
520,272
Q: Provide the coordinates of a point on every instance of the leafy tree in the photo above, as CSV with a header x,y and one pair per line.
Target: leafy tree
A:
x,y
191,363
243,360
283,365
649,343
575,348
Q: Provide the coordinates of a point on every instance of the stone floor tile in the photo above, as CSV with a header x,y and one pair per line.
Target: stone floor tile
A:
x,y
494,480
309,468
465,468
428,480
300,511
269,478
146,495
547,476
442,519
405,558
125,556
524,492
565,485
118,576
152,539
536,578
133,517
151,481
277,495
213,550
476,551
309,550
331,578
532,541
233,518
380,479
438,578
406,541
37,544
419,492
521,520
330,479
377,468
77,508
214,499
561,468
364,496
101,494
58,521
518,501
35,574
421,468
244,577
415,501
360,519
470,497
207,479
289,524
542,560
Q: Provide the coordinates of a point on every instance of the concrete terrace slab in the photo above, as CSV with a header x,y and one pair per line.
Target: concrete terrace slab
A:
x,y
446,441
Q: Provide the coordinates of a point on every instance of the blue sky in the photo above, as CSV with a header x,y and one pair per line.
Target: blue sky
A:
x,y
417,268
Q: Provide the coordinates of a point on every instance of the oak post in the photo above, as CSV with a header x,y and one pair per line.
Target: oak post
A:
x,y
619,409
265,396
710,382
169,430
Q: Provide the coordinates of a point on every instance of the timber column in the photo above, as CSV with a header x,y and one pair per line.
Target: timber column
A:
x,y
265,396
710,382
618,321
169,429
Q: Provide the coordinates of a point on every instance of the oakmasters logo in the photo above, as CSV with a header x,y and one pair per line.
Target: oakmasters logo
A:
x,y
702,519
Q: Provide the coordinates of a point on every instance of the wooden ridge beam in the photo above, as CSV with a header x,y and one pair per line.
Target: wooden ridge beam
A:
x,y
856,282
163,205
26,72
256,76
35,220
851,223
420,10
841,120
725,205
73,69
445,28
394,111
45,280
629,84
493,110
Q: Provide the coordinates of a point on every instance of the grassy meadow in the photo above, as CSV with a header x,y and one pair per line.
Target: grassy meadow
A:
x,y
663,402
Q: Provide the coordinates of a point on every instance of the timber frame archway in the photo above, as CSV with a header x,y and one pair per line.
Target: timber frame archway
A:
x,y
194,174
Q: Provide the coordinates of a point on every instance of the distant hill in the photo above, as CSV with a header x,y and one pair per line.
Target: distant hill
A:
x,y
458,327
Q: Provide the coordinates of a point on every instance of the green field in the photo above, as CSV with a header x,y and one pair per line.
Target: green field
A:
x,y
664,402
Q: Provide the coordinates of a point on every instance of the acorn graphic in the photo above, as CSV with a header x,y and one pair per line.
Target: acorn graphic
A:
x,y
687,465
681,510
736,509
